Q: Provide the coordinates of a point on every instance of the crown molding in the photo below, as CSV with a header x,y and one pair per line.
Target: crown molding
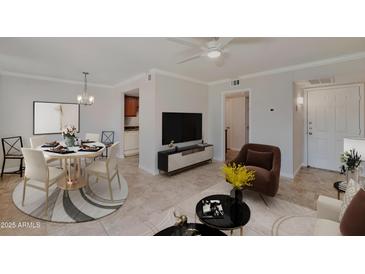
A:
x,y
178,76
160,72
220,81
335,60
52,79
329,61
131,79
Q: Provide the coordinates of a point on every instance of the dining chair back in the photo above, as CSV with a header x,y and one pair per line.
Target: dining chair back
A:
x,y
36,169
107,137
12,150
95,137
35,165
37,141
12,146
112,160
106,169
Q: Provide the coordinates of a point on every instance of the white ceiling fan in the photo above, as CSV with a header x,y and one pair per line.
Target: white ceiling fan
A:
x,y
213,49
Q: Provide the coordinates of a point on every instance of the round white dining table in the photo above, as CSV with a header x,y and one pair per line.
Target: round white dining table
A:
x,y
72,163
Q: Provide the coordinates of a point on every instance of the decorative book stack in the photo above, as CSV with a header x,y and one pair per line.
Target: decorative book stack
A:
x,y
213,209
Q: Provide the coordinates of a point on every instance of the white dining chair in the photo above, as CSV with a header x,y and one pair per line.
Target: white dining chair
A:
x,y
106,169
95,137
36,169
37,141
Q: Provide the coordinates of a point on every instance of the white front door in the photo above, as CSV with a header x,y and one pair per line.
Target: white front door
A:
x,y
333,113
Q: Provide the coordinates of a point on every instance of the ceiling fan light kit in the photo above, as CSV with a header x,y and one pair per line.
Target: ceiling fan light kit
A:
x,y
215,53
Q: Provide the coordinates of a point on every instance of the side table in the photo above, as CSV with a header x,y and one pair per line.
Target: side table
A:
x,y
232,218
336,185
190,229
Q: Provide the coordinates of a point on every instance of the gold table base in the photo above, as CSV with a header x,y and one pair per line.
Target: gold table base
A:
x,y
73,185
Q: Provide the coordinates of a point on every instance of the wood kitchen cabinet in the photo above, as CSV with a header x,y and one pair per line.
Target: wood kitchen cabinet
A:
x,y
131,105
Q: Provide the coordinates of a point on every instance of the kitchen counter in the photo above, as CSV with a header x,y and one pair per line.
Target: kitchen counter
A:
x,y
131,128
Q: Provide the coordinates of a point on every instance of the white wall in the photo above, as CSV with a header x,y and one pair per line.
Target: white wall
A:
x,y
343,73
267,127
163,94
280,127
298,129
276,91
16,106
147,119
178,95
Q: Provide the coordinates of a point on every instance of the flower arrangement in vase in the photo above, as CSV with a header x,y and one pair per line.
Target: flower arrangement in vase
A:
x,y
238,176
351,161
69,134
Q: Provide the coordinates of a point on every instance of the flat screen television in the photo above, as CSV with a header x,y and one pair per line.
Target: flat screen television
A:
x,y
181,127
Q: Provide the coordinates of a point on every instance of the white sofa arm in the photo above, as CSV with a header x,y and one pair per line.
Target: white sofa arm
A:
x,y
328,208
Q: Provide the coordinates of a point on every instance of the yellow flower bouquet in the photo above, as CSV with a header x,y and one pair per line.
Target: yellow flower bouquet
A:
x,y
238,175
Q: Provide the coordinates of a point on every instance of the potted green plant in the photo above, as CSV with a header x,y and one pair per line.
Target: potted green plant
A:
x,y
350,160
69,134
238,176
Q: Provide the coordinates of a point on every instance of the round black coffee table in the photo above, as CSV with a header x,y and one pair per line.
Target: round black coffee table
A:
x,y
190,229
236,215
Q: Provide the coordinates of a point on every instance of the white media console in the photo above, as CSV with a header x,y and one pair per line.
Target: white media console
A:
x,y
179,158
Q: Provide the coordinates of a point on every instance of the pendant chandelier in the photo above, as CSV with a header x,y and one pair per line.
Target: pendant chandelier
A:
x,y
84,98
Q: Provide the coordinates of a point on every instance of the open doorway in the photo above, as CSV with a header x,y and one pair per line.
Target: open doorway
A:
x,y
236,122
131,123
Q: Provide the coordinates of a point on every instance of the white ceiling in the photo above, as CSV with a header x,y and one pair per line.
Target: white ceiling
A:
x,y
112,60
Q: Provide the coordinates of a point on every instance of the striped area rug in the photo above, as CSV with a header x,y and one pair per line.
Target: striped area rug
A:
x,y
86,204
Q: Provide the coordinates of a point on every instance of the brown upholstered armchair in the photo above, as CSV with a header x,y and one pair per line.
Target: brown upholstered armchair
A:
x,y
265,160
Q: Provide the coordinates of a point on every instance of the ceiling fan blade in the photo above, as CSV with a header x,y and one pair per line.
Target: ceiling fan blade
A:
x,y
251,40
224,41
185,41
196,56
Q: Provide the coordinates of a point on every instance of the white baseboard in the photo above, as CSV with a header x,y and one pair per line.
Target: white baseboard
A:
x,y
148,170
286,175
298,168
218,159
131,152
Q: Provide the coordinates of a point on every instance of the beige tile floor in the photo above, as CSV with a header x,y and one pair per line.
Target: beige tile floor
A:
x,y
150,195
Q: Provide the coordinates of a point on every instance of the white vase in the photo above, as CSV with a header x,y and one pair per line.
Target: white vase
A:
x,y
353,174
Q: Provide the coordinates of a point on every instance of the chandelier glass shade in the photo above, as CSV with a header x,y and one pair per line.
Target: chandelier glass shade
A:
x,y
85,98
